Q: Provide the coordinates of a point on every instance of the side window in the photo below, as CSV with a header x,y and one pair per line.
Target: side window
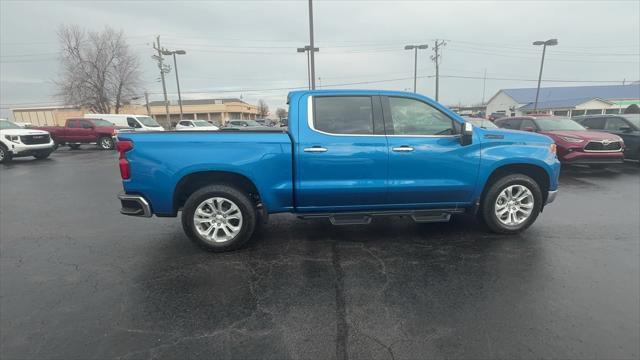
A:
x,y
85,125
72,124
413,117
343,114
527,125
615,124
132,123
513,124
184,123
593,123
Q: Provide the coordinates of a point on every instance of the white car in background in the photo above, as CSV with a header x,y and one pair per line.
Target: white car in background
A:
x,y
16,141
195,125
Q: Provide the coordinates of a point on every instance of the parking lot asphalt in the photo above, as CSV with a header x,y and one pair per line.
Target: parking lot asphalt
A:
x,y
80,281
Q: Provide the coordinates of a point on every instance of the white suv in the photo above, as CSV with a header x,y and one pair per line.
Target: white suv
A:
x,y
16,141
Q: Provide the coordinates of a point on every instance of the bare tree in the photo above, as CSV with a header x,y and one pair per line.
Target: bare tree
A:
x,y
98,70
263,109
281,113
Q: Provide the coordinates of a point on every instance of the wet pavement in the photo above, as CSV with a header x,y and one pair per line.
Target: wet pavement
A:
x,y
80,281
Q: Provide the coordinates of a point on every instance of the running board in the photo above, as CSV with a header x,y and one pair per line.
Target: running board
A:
x,y
364,218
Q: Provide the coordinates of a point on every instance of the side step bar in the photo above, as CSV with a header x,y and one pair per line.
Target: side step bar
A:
x,y
364,218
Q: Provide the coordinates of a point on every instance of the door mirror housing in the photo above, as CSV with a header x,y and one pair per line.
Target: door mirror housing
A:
x,y
466,136
626,129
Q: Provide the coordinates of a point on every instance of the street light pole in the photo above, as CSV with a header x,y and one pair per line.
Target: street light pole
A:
x,y
550,42
307,49
312,46
175,67
415,62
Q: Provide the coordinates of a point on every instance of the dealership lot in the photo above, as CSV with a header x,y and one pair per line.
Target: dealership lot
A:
x,y
79,280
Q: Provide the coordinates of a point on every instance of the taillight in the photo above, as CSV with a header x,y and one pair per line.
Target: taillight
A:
x,y
123,146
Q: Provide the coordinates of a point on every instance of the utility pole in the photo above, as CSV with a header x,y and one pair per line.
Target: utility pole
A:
x,y
146,102
415,61
436,59
550,42
484,85
175,68
164,86
312,46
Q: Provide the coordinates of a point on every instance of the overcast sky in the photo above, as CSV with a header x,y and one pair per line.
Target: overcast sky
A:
x,y
248,48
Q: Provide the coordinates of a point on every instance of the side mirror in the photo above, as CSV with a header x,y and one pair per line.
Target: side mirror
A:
x,y
466,137
625,129
529,128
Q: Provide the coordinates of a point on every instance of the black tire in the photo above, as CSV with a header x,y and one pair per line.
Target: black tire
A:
x,y
74,146
5,155
489,202
106,143
239,198
42,155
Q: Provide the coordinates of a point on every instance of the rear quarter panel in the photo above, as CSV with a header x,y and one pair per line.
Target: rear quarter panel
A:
x,y
159,160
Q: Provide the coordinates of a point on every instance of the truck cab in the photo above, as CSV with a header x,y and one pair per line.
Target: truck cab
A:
x,y
346,155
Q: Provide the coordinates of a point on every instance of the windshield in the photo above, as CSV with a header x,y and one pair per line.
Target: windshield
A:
x,y
148,121
483,123
6,124
554,124
100,122
634,119
201,123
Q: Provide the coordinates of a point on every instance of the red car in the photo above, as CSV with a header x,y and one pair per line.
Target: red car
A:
x,y
83,131
575,144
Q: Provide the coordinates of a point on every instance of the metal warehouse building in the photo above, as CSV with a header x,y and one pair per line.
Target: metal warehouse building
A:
x,y
565,101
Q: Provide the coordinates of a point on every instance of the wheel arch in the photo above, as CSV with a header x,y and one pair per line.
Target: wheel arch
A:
x,y
537,173
190,183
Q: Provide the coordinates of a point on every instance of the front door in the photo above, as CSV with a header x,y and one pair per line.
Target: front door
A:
x,y
427,163
341,154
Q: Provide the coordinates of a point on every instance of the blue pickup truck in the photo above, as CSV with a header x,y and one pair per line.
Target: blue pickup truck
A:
x,y
348,156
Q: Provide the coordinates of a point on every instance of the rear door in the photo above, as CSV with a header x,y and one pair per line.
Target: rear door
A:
x,y
342,154
427,163
86,132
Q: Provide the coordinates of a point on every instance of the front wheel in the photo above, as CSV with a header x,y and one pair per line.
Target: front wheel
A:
x,y
511,204
106,143
219,218
5,155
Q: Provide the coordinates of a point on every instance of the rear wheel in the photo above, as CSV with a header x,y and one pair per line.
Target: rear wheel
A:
x,y
219,218
106,143
511,204
5,155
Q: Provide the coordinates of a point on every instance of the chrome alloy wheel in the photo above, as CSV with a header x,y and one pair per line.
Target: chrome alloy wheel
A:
x,y
106,143
514,205
217,220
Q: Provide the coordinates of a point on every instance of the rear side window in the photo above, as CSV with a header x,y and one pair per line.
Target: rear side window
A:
x,y
593,123
73,124
343,114
132,123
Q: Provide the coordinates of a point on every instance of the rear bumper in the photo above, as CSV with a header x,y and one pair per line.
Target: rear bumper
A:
x,y
134,205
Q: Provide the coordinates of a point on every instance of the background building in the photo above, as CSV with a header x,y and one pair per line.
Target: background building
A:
x,y
217,110
565,101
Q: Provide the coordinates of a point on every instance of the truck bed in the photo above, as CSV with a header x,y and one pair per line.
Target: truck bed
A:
x,y
159,160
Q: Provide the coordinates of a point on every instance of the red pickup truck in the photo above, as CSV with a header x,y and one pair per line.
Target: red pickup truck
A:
x,y
79,131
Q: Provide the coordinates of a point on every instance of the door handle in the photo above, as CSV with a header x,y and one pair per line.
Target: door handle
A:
x,y
315,149
403,148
